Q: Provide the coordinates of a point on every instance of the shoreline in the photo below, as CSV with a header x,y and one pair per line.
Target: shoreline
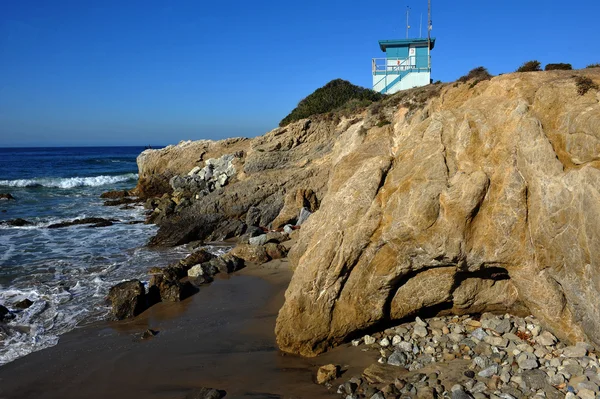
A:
x,y
222,337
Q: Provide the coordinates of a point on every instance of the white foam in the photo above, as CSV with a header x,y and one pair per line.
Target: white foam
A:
x,y
69,182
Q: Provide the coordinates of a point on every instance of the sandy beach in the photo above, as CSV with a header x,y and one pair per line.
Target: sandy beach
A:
x,y
221,337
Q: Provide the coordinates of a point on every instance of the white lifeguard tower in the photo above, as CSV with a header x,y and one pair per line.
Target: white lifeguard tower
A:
x,y
407,62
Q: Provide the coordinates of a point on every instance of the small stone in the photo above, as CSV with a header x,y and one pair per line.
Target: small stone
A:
x,y
503,327
455,337
534,379
149,333
420,331
479,334
327,373
369,340
356,342
396,340
496,341
546,339
384,343
288,229
397,359
488,372
575,351
420,322
405,346
586,394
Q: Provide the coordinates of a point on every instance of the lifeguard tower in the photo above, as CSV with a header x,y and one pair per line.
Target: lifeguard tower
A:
x,y
407,62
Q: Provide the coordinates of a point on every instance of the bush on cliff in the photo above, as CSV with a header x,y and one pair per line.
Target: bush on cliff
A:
x,y
479,74
584,84
558,67
593,66
333,96
530,66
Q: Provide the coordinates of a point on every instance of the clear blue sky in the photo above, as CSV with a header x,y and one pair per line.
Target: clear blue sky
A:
x,y
89,72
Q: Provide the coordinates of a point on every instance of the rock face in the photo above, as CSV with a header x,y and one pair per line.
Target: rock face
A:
x,y
486,199
475,197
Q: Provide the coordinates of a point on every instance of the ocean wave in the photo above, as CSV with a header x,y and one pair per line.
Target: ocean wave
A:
x,y
69,182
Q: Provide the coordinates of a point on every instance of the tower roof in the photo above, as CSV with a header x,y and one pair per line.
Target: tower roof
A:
x,y
383,44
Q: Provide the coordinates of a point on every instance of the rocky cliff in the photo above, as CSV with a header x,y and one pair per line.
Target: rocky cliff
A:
x,y
475,197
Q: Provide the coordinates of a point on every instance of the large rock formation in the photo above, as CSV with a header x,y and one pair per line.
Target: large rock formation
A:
x,y
486,199
476,197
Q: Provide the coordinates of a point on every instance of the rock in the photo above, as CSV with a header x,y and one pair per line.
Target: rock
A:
x,y
24,304
170,290
259,240
288,229
369,340
488,372
250,253
128,299
527,361
327,373
6,197
197,257
206,393
115,194
575,351
149,333
397,359
534,379
469,374
440,200
275,251
17,222
479,334
420,331
304,215
292,206
546,338
95,222
586,394
460,394
4,313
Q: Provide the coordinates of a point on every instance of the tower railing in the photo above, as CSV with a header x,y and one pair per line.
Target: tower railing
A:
x,y
396,65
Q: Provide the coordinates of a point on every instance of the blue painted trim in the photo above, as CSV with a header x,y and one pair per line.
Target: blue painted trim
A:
x,y
384,44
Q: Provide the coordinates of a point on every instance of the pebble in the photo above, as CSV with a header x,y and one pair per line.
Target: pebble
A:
x,y
503,365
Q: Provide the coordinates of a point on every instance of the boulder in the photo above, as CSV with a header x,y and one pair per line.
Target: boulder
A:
x,y
94,222
197,257
128,299
115,194
170,290
6,197
482,200
275,251
327,373
17,222
250,253
24,304
4,312
294,202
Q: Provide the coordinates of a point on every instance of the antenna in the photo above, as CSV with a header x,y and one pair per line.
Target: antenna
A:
x,y
407,25
429,27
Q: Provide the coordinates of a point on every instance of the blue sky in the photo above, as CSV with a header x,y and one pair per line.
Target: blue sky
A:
x,y
128,72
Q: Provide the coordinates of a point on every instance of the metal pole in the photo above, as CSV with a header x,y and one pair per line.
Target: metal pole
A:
x,y
429,34
407,26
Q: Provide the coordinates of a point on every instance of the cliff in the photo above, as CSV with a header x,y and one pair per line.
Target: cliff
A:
x,y
474,197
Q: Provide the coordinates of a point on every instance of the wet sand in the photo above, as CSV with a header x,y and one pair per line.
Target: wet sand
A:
x,y
222,337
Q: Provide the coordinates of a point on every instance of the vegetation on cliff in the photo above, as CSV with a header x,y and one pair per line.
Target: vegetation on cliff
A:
x,y
333,96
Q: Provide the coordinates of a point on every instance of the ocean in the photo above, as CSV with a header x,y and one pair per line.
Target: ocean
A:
x,y
66,272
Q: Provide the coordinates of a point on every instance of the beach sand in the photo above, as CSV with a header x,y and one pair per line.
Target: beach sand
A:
x,y
222,337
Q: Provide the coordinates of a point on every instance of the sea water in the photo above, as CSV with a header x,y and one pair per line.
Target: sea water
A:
x,y
66,272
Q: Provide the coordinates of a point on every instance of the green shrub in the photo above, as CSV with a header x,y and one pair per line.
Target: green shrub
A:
x,y
530,66
584,84
334,96
593,66
479,74
383,122
558,67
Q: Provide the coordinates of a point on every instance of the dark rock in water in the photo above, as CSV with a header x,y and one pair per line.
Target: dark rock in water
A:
x,y
97,222
115,194
126,207
128,299
170,290
206,393
178,230
6,197
24,304
105,223
17,222
3,211
3,312
121,201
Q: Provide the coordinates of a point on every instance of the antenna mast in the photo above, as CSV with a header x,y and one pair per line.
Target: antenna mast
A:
x,y
407,25
429,33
